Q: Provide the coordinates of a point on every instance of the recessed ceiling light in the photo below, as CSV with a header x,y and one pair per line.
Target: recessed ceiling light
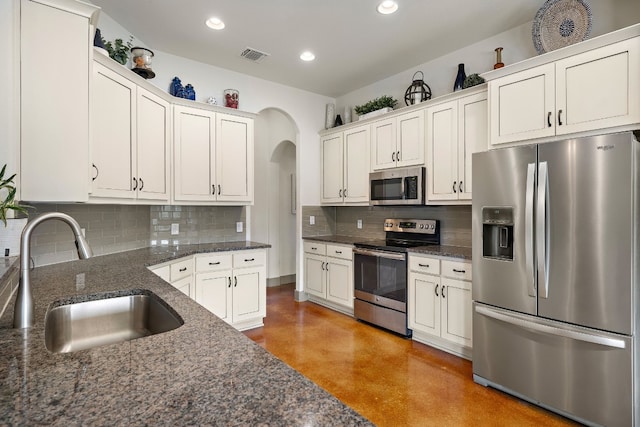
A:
x,y
387,7
215,23
307,56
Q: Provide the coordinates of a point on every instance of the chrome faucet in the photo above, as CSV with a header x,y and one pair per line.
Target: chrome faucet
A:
x,y
23,314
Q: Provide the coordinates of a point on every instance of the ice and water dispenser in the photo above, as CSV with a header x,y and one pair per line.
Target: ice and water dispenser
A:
x,y
497,233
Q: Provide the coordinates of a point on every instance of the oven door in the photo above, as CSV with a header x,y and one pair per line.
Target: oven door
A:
x,y
380,277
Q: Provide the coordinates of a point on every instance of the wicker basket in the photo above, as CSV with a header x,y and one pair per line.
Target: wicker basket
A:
x,y
561,23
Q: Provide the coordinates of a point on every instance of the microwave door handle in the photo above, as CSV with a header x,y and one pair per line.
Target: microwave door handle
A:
x,y
403,188
542,229
528,229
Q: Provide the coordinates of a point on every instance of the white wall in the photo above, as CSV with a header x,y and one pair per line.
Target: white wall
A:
x,y
9,87
440,74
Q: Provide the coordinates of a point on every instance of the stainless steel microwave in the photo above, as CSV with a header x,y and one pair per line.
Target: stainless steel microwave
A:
x,y
398,187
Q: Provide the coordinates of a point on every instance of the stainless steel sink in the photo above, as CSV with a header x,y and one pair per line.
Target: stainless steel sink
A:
x,y
107,319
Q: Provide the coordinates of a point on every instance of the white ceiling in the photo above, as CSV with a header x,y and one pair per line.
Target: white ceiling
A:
x,y
354,44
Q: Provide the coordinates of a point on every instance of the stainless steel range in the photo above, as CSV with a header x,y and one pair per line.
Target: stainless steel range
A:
x,y
380,272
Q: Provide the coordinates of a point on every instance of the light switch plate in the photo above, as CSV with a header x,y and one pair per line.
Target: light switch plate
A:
x,y
312,220
359,223
239,227
175,229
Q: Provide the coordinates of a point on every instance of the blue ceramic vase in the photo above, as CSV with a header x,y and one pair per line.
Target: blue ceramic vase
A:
x,y
459,78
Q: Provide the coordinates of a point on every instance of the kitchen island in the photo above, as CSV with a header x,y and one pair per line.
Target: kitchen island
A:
x,y
202,373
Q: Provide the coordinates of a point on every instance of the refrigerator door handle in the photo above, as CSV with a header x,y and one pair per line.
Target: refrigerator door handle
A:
x,y
532,325
528,229
542,230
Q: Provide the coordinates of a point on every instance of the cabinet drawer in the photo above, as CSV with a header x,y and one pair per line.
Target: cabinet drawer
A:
x,y
181,269
343,252
213,262
315,248
456,269
249,259
424,264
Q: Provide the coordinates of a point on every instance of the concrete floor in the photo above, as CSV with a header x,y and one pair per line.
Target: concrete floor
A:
x,y
391,380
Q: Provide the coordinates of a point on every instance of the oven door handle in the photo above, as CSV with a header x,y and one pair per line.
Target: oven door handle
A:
x,y
380,254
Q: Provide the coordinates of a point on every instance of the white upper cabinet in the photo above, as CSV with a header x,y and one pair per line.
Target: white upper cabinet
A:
x,y
455,130
398,141
586,92
345,166
213,155
55,43
130,139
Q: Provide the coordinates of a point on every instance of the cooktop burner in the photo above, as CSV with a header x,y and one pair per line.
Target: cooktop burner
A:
x,y
402,234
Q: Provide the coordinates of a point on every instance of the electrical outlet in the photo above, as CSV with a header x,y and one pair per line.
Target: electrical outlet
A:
x,y
175,229
312,220
239,227
359,223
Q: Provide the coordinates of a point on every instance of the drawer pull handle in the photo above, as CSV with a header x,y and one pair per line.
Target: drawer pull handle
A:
x,y
338,252
458,271
214,263
249,259
423,265
183,269
314,249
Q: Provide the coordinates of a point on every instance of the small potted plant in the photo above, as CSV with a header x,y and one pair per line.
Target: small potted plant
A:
x,y
375,107
118,50
9,203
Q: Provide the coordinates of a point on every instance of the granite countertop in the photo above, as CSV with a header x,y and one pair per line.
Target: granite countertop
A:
x,y
461,252
203,373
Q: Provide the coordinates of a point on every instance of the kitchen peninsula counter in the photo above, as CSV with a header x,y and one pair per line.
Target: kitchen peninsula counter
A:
x,y
202,373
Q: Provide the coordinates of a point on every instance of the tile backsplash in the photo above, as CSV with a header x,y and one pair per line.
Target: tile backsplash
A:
x,y
455,221
117,228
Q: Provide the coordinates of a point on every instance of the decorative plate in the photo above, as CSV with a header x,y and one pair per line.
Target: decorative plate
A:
x,y
561,23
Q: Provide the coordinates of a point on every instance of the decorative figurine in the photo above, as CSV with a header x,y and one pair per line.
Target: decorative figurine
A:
x,y
499,63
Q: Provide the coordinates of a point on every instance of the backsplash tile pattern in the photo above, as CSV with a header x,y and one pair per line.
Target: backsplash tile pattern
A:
x,y
108,228
325,220
455,221
197,224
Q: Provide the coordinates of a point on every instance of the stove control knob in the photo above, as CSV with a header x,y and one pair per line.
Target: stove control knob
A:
x,y
421,226
433,226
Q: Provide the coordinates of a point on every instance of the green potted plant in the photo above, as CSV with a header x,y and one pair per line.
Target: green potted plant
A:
x,y
9,203
118,50
379,105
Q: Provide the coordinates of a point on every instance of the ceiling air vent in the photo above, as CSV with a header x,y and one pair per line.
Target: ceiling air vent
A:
x,y
253,54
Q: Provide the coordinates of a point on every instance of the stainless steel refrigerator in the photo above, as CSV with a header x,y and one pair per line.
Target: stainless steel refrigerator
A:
x,y
555,275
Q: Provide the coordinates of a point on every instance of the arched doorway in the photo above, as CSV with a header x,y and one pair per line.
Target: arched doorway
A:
x,y
273,217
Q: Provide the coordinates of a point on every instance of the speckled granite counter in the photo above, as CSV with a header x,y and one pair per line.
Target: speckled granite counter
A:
x,y
438,250
202,373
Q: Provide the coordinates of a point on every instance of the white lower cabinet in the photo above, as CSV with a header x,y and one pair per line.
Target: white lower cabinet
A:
x,y
329,275
231,285
439,303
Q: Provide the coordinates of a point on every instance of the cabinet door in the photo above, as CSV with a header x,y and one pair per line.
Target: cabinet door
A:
x,y
522,106
315,275
383,144
153,146
456,311
599,88
442,151
194,137
184,285
340,281
332,168
410,139
54,102
424,303
234,158
249,294
213,291
356,164
112,134
472,138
